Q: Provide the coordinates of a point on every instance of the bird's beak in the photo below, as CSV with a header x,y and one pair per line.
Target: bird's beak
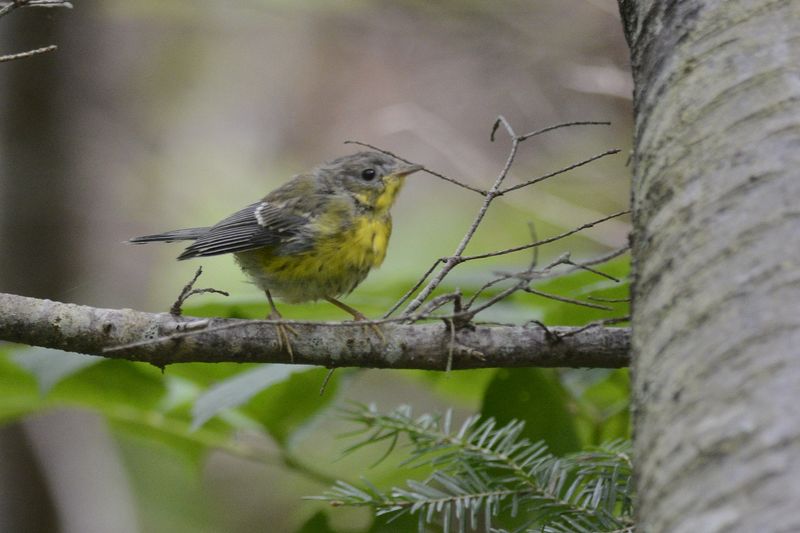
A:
x,y
403,170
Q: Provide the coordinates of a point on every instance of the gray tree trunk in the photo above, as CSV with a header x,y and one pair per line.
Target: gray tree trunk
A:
x,y
716,246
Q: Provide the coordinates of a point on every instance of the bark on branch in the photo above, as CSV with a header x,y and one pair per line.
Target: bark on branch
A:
x,y
93,330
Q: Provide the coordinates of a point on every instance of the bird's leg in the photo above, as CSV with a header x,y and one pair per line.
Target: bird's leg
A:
x,y
357,316
282,329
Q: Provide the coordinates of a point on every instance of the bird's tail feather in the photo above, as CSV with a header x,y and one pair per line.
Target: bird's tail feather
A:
x,y
188,234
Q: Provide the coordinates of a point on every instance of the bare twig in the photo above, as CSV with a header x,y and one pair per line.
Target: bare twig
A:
x,y
609,300
29,53
413,289
436,303
453,261
527,136
594,271
596,324
557,172
534,238
564,299
189,291
496,190
543,241
326,380
605,258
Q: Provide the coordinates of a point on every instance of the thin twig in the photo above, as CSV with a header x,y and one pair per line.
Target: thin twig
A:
x,y
527,136
607,257
534,238
436,303
457,258
557,172
470,312
29,53
189,291
565,299
413,289
490,195
539,275
489,284
493,282
596,324
609,300
543,241
325,381
502,120
549,335
523,284
594,271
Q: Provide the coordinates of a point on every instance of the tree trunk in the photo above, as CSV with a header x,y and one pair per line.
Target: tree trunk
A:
x,y
46,484
716,248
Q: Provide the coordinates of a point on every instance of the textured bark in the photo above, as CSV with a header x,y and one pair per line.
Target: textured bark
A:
x,y
90,330
716,247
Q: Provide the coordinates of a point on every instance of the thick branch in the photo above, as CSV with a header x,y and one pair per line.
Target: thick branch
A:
x,y
93,330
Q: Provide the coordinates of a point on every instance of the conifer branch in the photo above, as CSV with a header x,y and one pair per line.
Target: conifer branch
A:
x,y
483,470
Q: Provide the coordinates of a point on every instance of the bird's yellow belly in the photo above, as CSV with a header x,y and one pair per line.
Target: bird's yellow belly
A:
x,y
335,266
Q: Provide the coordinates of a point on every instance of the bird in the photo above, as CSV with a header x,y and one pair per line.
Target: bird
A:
x,y
316,237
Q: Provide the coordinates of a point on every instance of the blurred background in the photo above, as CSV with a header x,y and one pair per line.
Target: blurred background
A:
x,y
158,115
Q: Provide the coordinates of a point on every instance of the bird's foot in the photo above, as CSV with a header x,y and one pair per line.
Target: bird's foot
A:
x,y
358,316
283,331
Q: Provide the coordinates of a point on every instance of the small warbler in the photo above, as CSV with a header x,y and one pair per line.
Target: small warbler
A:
x,y
315,237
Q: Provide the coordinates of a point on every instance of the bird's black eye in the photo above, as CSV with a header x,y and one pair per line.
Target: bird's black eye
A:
x,y
368,174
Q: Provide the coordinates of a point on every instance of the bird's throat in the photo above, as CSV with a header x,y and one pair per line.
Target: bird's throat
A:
x,y
386,199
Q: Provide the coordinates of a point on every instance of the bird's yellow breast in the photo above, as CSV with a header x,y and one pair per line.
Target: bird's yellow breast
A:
x,y
335,266
370,240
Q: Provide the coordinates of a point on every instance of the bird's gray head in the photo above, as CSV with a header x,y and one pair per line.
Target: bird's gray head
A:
x,y
372,178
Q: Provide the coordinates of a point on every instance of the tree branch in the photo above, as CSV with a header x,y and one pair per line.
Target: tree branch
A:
x,y
161,339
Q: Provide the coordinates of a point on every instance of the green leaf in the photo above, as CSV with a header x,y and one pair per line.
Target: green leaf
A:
x,y
537,397
608,403
207,374
108,382
602,399
169,489
463,386
289,406
229,308
239,389
19,394
172,429
50,366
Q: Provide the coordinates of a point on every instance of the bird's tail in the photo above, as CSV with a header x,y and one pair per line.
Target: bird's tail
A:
x,y
188,234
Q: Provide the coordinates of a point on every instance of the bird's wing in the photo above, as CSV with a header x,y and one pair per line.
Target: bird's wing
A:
x,y
265,223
